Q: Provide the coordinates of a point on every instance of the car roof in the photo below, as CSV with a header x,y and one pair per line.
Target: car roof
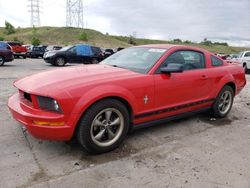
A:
x,y
168,46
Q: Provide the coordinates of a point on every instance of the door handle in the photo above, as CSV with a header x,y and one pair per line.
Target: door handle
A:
x,y
203,77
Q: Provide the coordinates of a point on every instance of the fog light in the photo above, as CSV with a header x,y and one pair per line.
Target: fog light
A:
x,y
48,123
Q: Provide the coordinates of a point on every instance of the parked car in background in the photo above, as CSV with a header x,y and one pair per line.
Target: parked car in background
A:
x,y
52,48
36,52
137,87
119,49
232,56
6,55
244,59
79,53
108,52
222,55
17,49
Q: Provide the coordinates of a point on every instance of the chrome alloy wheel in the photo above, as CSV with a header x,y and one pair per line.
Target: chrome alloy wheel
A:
x,y
225,102
60,61
107,127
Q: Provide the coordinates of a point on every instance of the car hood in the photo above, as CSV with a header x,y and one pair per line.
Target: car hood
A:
x,y
50,82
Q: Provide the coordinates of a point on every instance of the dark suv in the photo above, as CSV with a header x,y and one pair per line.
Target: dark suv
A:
x,y
80,53
6,54
36,52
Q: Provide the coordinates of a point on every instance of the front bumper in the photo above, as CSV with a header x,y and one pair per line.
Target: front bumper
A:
x,y
49,60
27,115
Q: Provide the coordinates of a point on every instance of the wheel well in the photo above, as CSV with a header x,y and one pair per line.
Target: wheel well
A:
x,y
120,99
244,63
232,85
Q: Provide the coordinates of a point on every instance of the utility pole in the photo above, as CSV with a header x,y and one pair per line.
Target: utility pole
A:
x,y
34,9
74,13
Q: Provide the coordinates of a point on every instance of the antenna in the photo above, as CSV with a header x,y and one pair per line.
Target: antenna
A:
x,y
34,9
74,13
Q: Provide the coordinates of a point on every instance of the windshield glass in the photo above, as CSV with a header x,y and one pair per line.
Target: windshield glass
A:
x,y
136,59
65,48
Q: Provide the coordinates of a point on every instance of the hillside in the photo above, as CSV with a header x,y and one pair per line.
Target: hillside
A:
x,y
67,36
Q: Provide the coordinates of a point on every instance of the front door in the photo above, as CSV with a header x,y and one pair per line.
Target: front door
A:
x,y
181,92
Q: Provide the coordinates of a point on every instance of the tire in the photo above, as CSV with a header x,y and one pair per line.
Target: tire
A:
x,y
93,131
24,56
60,61
1,61
223,102
245,68
94,61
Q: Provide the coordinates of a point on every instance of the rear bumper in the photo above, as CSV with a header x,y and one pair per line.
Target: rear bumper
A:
x,y
20,53
26,116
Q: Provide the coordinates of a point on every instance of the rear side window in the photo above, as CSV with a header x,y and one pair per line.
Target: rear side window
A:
x,y
216,61
188,58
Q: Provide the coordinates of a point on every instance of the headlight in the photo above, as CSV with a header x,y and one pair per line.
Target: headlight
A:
x,y
47,103
49,54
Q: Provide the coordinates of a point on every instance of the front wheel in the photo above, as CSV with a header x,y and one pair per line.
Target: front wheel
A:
x,y
94,61
223,102
245,68
1,61
103,126
60,61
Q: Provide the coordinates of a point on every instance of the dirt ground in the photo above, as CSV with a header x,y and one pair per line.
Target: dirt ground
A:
x,y
198,151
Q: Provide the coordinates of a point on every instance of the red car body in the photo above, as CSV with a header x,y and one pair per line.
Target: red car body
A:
x,y
149,97
18,49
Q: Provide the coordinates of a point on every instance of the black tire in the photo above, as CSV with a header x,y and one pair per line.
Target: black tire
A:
x,y
245,68
1,61
24,56
94,61
223,102
60,61
87,131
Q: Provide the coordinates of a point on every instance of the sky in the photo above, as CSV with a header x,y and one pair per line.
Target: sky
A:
x,y
194,20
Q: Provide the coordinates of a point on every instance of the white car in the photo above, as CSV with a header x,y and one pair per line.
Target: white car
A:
x,y
244,59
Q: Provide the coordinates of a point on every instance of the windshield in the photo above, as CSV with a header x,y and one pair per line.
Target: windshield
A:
x,y
136,59
65,48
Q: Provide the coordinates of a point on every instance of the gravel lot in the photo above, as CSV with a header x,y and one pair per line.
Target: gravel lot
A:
x,y
198,151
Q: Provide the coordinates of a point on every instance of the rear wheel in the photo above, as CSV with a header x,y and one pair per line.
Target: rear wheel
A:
x,y
94,61
104,126
223,102
1,61
60,61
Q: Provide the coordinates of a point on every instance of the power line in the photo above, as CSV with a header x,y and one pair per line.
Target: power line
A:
x,y
34,9
74,13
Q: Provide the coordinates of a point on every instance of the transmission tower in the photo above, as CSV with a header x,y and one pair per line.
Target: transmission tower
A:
x,y
34,9
74,13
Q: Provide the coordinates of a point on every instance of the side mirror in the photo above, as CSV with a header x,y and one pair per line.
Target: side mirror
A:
x,y
172,68
8,48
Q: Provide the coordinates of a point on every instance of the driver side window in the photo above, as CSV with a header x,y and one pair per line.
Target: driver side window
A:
x,y
189,59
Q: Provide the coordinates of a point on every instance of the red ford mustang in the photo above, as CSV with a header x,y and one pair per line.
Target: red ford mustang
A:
x,y
135,87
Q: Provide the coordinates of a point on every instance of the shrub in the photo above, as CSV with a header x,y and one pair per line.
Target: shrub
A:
x,y
35,41
9,29
2,38
132,40
83,36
